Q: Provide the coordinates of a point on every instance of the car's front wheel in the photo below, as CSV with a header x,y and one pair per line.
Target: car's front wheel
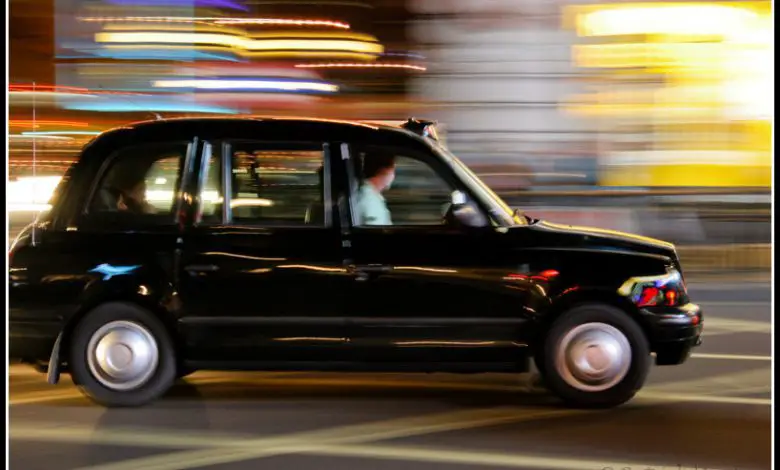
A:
x,y
595,355
122,355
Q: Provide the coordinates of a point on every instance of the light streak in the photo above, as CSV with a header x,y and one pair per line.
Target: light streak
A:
x,y
358,65
247,85
240,42
217,20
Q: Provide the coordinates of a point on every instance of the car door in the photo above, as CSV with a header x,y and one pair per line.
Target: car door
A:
x,y
118,235
262,275
424,291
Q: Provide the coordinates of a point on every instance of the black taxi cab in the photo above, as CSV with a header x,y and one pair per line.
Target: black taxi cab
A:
x,y
306,244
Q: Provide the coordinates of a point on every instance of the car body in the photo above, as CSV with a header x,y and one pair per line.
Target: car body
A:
x,y
281,277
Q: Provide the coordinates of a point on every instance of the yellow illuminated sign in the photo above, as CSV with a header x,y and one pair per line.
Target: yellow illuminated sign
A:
x,y
671,68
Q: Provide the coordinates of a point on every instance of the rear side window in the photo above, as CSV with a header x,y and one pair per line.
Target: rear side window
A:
x,y
141,182
270,184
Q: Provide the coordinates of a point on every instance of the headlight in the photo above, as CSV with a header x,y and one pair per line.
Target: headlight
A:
x,y
655,291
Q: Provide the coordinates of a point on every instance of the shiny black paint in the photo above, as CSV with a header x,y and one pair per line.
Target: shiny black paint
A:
x,y
441,290
277,293
400,298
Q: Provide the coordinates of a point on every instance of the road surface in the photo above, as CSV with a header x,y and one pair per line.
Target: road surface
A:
x,y
712,412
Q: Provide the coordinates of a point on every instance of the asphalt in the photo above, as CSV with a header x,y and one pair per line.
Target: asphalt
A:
x,y
711,412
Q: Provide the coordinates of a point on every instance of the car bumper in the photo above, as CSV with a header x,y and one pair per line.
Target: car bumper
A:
x,y
673,332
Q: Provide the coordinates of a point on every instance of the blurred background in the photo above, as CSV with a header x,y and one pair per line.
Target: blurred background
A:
x,y
652,117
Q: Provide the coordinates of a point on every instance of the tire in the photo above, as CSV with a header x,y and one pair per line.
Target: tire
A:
x,y
606,325
139,327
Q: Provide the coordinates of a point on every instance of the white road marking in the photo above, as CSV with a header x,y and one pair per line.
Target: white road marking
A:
x,y
354,434
480,458
731,357
682,397
129,437
724,385
179,439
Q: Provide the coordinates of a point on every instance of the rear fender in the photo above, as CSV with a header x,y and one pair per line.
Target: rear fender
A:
x,y
154,295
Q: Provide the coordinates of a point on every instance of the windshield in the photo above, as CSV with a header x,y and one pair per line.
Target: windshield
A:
x,y
497,207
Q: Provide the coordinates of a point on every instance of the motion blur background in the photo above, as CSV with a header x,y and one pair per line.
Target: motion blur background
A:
x,y
651,117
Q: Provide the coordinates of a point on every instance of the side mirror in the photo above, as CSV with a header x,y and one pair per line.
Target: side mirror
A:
x,y
462,213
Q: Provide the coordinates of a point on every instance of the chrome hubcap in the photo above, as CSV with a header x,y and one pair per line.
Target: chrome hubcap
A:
x,y
593,357
122,355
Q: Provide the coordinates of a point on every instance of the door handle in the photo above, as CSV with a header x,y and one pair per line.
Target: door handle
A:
x,y
201,268
365,271
374,268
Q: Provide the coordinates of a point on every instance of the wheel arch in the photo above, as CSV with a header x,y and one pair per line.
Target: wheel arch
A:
x,y
574,297
130,293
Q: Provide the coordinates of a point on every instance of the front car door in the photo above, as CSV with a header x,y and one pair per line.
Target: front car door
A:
x,y
426,291
262,277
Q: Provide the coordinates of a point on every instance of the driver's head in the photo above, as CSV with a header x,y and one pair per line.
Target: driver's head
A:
x,y
379,169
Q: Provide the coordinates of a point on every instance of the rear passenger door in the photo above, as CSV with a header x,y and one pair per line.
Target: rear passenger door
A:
x,y
262,277
112,247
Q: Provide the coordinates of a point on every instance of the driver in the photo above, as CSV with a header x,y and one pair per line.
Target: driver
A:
x,y
379,173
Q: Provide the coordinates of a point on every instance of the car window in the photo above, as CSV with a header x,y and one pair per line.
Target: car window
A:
x,y
417,195
272,184
141,181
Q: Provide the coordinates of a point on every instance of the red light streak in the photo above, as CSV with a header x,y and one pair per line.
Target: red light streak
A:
x,y
43,122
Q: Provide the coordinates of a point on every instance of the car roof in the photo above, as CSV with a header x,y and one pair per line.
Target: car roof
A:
x,y
280,128
257,118
269,121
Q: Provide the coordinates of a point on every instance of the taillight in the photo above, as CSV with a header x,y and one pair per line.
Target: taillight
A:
x,y
656,291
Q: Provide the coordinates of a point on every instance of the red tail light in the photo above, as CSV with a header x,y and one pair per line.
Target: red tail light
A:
x,y
549,274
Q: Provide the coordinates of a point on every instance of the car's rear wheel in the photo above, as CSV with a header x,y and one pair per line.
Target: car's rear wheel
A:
x,y
122,355
595,355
